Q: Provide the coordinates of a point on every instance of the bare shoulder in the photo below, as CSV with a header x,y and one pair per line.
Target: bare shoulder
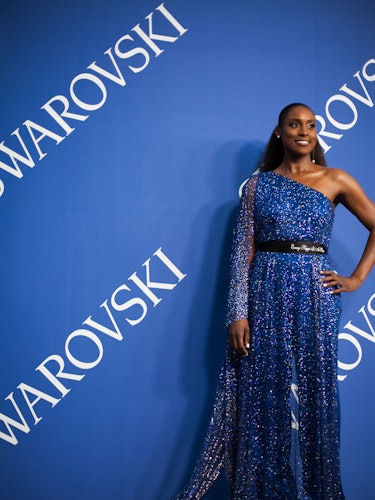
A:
x,y
336,174
343,181
349,192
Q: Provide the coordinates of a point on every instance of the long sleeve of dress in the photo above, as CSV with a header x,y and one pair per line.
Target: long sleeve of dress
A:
x,y
218,449
242,249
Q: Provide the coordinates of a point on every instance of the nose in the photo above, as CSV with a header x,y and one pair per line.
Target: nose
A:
x,y
303,130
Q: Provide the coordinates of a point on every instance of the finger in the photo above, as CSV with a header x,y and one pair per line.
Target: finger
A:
x,y
236,343
339,287
330,285
329,274
233,342
238,339
241,349
240,346
325,271
247,339
332,280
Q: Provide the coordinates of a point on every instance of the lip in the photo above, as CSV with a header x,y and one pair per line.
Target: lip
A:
x,y
303,142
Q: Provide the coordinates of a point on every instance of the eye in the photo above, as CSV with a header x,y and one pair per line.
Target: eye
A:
x,y
294,124
311,125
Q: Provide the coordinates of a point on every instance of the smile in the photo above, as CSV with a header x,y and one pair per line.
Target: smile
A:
x,y
303,143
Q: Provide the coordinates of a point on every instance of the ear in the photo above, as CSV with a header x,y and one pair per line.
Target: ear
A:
x,y
277,132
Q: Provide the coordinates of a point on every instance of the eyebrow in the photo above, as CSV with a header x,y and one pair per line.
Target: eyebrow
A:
x,y
299,119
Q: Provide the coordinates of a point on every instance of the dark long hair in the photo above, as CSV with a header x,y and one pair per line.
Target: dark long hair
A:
x,y
274,152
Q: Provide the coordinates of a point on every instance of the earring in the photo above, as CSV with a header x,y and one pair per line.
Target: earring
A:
x,y
278,136
313,156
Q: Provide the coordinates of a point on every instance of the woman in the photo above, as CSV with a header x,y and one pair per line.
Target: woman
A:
x,y
275,425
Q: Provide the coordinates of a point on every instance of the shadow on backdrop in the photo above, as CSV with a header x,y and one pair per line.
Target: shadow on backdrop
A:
x,y
207,317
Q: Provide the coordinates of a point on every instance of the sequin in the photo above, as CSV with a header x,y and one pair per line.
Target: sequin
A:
x,y
275,443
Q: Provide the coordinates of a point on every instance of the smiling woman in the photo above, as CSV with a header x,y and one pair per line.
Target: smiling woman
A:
x,y
274,152
298,131
283,316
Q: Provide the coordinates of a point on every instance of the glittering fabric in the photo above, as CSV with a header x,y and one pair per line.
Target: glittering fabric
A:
x,y
274,442
242,251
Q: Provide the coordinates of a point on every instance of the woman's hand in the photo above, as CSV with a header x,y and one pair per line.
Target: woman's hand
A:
x,y
239,336
343,284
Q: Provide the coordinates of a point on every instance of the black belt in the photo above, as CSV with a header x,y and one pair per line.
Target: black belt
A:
x,y
291,246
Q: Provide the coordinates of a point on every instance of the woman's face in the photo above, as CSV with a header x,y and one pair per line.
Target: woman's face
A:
x,y
298,131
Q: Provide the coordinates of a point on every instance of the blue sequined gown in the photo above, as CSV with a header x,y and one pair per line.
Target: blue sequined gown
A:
x,y
275,424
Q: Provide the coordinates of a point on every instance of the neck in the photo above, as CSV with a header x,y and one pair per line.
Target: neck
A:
x,y
295,166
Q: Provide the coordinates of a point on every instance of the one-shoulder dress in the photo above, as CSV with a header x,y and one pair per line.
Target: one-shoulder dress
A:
x,y
275,426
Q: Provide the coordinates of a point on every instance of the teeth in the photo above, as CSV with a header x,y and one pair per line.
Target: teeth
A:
x,y
304,143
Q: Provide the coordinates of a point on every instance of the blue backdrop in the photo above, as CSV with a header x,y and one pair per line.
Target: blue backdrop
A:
x,y
126,130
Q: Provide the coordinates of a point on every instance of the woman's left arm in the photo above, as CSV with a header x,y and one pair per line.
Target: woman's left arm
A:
x,y
352,196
